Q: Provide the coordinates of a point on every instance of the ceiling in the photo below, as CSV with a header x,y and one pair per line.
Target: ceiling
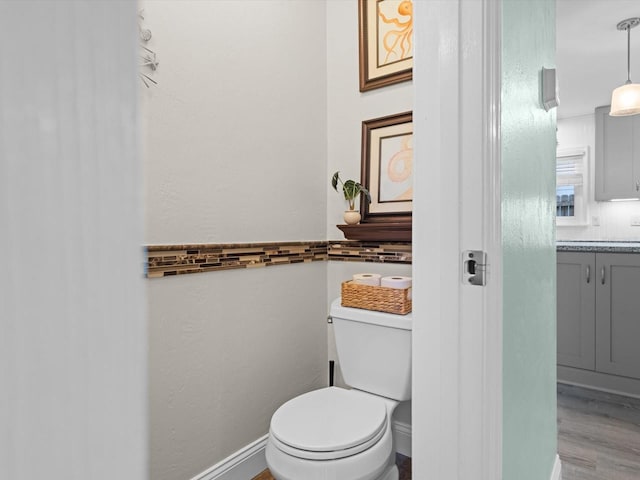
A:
x,y
591,53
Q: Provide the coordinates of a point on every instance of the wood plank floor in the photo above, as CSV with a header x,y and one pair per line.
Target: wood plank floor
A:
x,y
404,465
598,435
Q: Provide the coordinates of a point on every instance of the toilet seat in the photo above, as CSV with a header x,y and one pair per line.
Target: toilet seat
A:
x,y
329,423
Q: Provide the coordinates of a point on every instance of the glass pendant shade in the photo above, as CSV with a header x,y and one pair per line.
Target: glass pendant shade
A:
x,y
625,100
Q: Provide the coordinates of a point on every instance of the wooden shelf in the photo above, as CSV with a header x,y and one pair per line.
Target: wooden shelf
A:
x,y
378,231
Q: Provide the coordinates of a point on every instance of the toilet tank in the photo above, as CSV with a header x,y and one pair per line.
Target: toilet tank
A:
x,y
374,350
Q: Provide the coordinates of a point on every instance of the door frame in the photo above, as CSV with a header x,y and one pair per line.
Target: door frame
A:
x,y
457,333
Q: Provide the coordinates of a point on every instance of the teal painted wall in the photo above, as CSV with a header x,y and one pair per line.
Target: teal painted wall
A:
x,y
528,222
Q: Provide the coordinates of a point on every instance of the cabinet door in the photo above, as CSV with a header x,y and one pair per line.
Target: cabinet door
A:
x,y
617,171
618,314
576,309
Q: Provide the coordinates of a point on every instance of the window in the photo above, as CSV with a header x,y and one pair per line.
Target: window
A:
x,y
565,200
571,186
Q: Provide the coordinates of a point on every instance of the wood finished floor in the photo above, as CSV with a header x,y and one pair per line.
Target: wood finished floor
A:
x,y
404,465
598,435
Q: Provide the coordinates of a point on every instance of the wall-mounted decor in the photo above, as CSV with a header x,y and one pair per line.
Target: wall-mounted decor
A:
x,y
386,42
147,56
387,167
387,173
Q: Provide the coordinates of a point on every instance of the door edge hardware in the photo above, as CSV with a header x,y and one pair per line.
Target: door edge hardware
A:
x,y
474,267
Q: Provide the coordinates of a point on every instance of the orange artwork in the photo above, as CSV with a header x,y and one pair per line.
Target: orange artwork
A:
x,y
398,184
387,166
395,30
386,42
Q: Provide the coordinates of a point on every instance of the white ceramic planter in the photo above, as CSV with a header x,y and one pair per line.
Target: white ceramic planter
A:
x,y
351,217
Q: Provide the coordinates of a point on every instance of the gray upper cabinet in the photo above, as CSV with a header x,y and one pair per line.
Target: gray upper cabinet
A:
x,y
617,156
618,314
576,312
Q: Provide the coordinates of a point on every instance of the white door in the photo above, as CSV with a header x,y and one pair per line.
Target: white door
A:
x,y
457,346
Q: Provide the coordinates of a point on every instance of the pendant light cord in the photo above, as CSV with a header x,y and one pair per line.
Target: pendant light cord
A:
x,y
628,53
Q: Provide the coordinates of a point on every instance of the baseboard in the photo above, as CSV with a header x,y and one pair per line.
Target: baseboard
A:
x,y
244,464
629,387
402,436
249,461
556,474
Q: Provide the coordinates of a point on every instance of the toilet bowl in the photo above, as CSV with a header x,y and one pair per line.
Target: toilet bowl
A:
x,y
346,434
333,433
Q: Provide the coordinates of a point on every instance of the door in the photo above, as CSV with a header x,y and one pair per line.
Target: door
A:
x,y
458,345
576,297
457,395
618,314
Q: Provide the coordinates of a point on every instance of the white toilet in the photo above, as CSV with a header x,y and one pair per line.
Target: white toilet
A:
x,y
339,434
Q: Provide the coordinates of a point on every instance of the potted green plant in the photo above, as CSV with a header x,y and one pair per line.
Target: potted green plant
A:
x,y
351,189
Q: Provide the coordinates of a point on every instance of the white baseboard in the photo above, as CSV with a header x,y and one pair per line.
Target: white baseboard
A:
x,y
402,436
244,464
556,474
249,461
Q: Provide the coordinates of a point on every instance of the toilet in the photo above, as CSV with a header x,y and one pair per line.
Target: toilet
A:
x,y
346,434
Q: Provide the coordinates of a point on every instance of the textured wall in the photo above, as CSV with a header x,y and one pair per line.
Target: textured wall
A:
x,y
236,128
347,107
227,349
528,179
72,317
235,152
615,217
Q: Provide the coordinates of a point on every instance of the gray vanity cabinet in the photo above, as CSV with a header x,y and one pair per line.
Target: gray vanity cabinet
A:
x,y
576,309
598,312
617,156
618,314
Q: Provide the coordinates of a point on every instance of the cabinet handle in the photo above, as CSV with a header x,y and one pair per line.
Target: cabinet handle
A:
x,y
588,273
637,186
602,275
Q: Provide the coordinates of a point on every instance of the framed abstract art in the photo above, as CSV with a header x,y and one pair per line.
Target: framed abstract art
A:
x,y
386,42
387,168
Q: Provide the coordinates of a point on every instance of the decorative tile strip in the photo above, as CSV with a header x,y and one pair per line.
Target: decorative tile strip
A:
x,y
378,252
169,260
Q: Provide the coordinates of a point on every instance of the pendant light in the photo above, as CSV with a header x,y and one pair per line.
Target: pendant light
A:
x,y
625,100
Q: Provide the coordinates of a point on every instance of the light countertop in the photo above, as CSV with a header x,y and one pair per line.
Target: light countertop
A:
x,y
598,246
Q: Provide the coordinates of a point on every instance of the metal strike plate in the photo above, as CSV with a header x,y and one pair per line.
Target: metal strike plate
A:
x,y
474,267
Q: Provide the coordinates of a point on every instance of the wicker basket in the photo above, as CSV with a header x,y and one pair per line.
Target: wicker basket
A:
x,y
381,299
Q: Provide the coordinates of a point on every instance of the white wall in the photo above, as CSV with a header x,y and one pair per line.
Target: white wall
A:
x,y
347,107
235,152
227,349
236,128
72,309
615,217
259,96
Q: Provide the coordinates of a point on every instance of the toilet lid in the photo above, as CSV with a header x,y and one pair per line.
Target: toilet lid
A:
x,y
330,420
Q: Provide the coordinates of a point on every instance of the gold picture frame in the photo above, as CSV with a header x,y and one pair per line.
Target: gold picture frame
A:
x,y
386,42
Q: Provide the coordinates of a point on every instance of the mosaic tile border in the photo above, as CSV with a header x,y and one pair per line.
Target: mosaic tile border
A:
x,y
376,252
170,260
167,260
